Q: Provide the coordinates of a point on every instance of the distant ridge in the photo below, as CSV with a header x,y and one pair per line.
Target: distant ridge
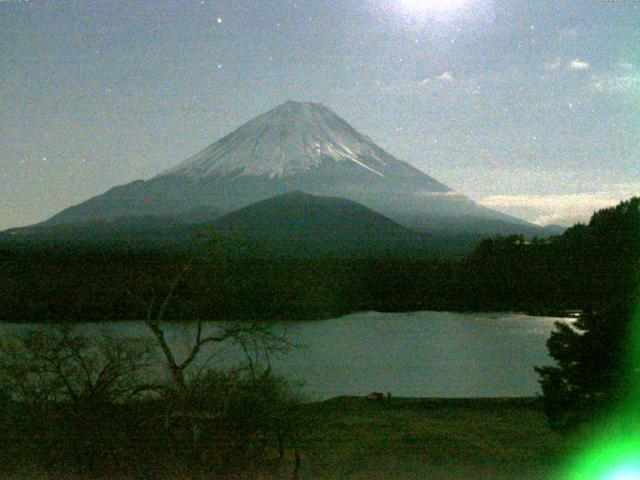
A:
x,y
303,215
296,222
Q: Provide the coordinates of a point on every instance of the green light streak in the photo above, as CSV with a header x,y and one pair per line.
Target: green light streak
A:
x,y
613,452
608,459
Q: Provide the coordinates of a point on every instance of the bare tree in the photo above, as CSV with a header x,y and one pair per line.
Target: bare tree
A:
x,y
255,339
208,400
56,364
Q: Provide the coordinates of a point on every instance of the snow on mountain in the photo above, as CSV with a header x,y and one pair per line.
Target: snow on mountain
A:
x,y
301,147
291,139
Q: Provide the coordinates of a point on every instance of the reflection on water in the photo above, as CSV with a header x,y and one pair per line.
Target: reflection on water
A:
x,y
425,354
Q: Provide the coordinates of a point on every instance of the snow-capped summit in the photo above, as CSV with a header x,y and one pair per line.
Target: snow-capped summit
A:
x,y
296,146
292,138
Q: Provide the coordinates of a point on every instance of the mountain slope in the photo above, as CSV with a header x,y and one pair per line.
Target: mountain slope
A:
x,y
143,231
298,147
298,223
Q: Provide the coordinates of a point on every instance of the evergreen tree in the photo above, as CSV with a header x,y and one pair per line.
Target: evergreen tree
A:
x,y
595,365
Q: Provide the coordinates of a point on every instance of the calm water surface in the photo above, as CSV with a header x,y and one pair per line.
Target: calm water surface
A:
x,y
427,354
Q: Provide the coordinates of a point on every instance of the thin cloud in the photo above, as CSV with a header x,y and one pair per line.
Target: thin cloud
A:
x,y
625,79
617,84
446,77
450,193
625,66
577,64
555,65
563,209
568,33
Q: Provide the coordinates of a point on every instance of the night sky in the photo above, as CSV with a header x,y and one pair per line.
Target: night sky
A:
x,y
530,107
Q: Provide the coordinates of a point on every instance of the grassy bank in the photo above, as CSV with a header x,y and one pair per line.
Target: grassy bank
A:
x,y
434,438
356,438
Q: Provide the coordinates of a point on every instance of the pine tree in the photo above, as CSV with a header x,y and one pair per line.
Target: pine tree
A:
x,y
596,368
594,365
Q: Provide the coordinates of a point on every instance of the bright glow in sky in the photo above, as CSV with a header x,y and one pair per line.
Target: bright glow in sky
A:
x,y
432,5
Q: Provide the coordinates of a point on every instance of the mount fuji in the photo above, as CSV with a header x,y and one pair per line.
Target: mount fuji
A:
x,y
295,147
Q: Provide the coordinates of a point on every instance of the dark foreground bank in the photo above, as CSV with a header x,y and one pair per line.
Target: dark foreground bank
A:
x,y
345,437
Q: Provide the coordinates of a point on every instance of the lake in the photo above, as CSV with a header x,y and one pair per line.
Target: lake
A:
x,y
420,354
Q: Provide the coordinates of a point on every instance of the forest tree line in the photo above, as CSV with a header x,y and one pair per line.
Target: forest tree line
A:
x,y
83,405
588,264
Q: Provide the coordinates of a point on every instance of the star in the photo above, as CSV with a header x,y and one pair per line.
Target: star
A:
x,y
219,20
